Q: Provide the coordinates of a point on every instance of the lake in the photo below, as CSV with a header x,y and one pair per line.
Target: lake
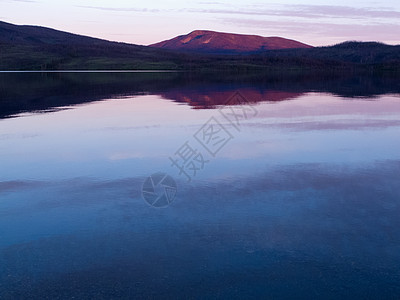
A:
x,y
181,185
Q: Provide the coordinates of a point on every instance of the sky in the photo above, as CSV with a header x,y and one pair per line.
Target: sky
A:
x,y
145,22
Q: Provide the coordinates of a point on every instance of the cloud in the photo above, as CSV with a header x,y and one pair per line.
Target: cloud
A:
x,y
210,3
299,10
344,11
30,1
311,30
126,9
308,11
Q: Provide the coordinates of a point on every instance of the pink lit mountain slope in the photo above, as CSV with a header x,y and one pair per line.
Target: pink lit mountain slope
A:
x,y
203,41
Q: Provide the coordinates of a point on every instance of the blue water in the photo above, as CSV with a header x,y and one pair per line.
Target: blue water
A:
x,y
302,202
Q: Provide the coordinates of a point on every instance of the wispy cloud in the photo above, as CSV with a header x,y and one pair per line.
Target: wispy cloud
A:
x,y
127,9
345,11
30,1
306,11
377,31
297,10
210,3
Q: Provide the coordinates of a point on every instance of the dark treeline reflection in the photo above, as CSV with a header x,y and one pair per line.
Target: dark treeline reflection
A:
x,y
27,92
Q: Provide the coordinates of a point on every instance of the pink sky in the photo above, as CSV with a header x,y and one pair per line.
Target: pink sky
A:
x,y
312,22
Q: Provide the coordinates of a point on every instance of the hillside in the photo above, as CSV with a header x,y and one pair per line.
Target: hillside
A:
x,y
359,53
39,48
204,41
36,35
25,47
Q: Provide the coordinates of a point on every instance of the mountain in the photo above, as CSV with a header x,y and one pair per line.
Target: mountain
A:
x,y
25,47
37,35
204,41
40,48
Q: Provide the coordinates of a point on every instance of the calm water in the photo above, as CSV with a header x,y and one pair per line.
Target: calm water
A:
x,y
296,195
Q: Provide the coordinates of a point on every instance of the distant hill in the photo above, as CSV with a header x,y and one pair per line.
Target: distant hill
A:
x,y
354,53
24,47
204,41
40,48
36,35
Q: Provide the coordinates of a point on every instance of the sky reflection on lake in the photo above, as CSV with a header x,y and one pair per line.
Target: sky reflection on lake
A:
x,y
303,202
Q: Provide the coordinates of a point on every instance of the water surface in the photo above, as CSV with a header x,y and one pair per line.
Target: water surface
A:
x,y
302,201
